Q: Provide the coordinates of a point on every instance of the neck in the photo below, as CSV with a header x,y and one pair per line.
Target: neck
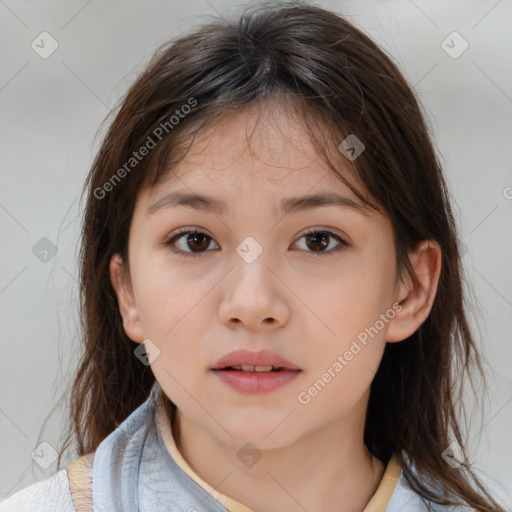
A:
x,y
326,470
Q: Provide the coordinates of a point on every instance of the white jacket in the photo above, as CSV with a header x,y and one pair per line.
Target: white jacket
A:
x,y
138,468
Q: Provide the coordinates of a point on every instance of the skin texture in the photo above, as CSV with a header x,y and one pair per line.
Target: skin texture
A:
x,y
307,306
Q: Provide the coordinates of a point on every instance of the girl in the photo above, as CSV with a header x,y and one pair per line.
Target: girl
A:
x,y
271,287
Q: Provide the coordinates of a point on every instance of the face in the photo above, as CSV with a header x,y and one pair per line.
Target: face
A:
x,y
255,279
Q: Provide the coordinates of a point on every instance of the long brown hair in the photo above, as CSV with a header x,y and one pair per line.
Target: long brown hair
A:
x,y
337,82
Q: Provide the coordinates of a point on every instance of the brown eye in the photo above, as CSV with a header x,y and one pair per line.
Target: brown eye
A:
x,y
317,241
190,243
197,241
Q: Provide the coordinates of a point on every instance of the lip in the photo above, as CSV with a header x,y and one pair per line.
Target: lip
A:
x,y
255,382
260,358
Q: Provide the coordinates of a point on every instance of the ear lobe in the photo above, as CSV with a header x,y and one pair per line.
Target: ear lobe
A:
x,y
125,299
416,300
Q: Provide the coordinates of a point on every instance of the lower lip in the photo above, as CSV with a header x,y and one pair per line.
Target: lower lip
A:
x,y
256,382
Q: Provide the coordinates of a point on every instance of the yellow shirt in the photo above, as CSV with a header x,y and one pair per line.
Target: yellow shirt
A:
x,y
377,503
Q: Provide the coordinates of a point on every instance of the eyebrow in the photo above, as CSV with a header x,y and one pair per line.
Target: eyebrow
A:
x,y
216,205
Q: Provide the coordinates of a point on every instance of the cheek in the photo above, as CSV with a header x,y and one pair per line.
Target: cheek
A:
x,y
172,320
350,298
172,310
345,351
353,310
167,296
340,386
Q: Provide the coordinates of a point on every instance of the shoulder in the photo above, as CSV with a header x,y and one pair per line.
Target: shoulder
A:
x,y
405,498
68,490
50,494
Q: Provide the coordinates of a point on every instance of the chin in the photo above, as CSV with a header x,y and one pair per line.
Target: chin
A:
x,y
265,433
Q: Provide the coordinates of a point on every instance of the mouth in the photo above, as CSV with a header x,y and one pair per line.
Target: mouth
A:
x,y
254,368
251,373
263,361
255,379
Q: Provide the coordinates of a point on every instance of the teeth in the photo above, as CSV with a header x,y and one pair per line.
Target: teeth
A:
x,y
251,368
262,368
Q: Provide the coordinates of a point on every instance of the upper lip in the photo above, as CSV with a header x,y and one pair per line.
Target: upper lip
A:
x,y
261,358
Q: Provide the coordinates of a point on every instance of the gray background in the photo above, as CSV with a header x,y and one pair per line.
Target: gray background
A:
x,y
50,110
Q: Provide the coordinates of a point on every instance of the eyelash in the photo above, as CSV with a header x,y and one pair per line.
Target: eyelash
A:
x,y
169,242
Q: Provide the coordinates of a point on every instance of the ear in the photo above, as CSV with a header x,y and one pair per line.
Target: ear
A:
x,y
416,301
125,298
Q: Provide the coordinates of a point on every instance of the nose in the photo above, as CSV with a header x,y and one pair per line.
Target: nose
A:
x,y
255,296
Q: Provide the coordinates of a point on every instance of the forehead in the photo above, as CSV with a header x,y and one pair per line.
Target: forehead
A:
x,y
254,147
270,138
